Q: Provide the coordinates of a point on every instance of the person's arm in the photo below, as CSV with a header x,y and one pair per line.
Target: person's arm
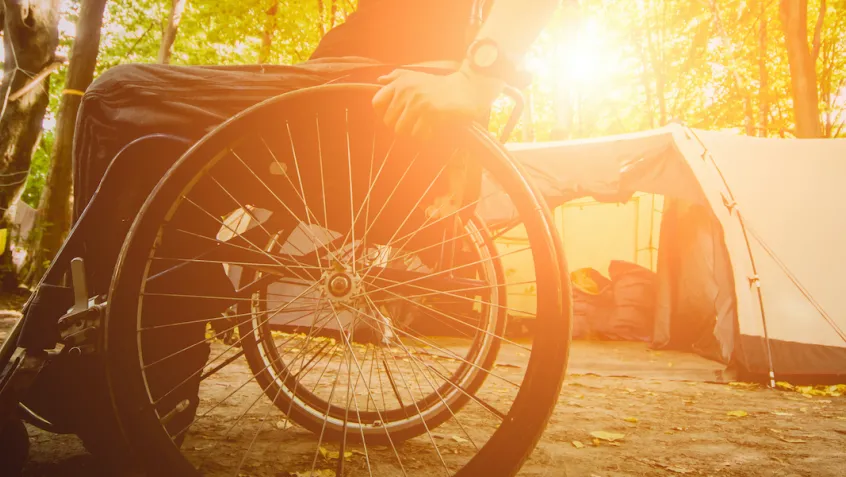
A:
x,y
513,25
414,103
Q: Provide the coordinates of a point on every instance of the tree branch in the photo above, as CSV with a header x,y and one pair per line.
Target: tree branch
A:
x,y
37,79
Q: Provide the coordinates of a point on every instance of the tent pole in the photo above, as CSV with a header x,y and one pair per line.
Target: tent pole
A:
x,y
731,204
651,232
636,229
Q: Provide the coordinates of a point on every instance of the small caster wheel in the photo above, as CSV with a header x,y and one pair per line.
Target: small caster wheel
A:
x,y
14,446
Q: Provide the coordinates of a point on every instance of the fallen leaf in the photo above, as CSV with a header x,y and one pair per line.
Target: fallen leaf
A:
x,y
315,473
791,440
737,413
633,420
742,384
780,413
459,439
327,454
578,445
607,436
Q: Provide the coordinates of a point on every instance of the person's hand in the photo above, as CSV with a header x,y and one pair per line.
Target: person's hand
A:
x,y
417,104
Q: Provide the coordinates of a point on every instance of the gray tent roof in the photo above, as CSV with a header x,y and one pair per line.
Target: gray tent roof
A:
x,y
780,207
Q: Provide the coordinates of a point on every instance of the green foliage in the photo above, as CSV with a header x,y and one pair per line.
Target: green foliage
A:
x,y
38,169
652,62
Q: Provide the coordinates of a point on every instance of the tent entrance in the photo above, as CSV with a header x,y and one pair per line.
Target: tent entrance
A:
x,y
652,269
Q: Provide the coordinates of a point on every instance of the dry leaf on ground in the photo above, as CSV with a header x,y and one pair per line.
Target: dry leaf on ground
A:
x,y
607,436
737,413
316,473
578,445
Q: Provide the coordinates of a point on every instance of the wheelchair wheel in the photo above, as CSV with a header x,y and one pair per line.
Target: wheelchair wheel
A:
x,y
319,240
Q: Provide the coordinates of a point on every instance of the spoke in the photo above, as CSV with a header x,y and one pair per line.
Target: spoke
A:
x,y
497,413
193,322
260,249
204,297
448,270
358,414
238,341
352,204
371,185
407,237
222,365
441,292
419,412
282,203
320,161
480,330
415,360
391,195
271,406
241,386
459,298
411,211
328,405
309,212
259,223
230,262
449,352
421,249
376,408
283,307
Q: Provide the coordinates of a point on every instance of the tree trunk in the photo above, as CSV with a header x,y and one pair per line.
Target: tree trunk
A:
x,y
803,75
169,35
54,211
268,33
320,15
29,41
763,74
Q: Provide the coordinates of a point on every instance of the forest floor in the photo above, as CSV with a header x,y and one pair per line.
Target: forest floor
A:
x,y
657,426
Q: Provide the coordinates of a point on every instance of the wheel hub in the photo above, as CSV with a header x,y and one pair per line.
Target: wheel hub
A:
x,y
340,286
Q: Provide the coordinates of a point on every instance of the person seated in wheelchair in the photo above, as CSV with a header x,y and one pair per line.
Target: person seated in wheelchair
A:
x,y
136,121
473,48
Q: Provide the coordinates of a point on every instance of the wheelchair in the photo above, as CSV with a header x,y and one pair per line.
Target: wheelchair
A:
x,y
301,293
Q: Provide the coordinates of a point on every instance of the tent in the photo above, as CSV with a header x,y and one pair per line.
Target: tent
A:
x,y
750,238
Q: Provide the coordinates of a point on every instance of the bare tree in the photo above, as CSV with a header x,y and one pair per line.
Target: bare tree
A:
x,y
803,74
54,211
177,7
29,41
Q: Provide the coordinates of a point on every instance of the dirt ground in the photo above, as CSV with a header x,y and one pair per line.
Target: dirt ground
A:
x,y
664,426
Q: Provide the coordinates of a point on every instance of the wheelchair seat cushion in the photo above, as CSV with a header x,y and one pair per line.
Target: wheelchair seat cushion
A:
x,y
131,101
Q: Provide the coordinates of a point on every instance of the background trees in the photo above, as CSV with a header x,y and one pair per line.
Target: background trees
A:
x,y
759,67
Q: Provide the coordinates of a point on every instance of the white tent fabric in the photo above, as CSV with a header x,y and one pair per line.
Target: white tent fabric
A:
x,y
777,209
